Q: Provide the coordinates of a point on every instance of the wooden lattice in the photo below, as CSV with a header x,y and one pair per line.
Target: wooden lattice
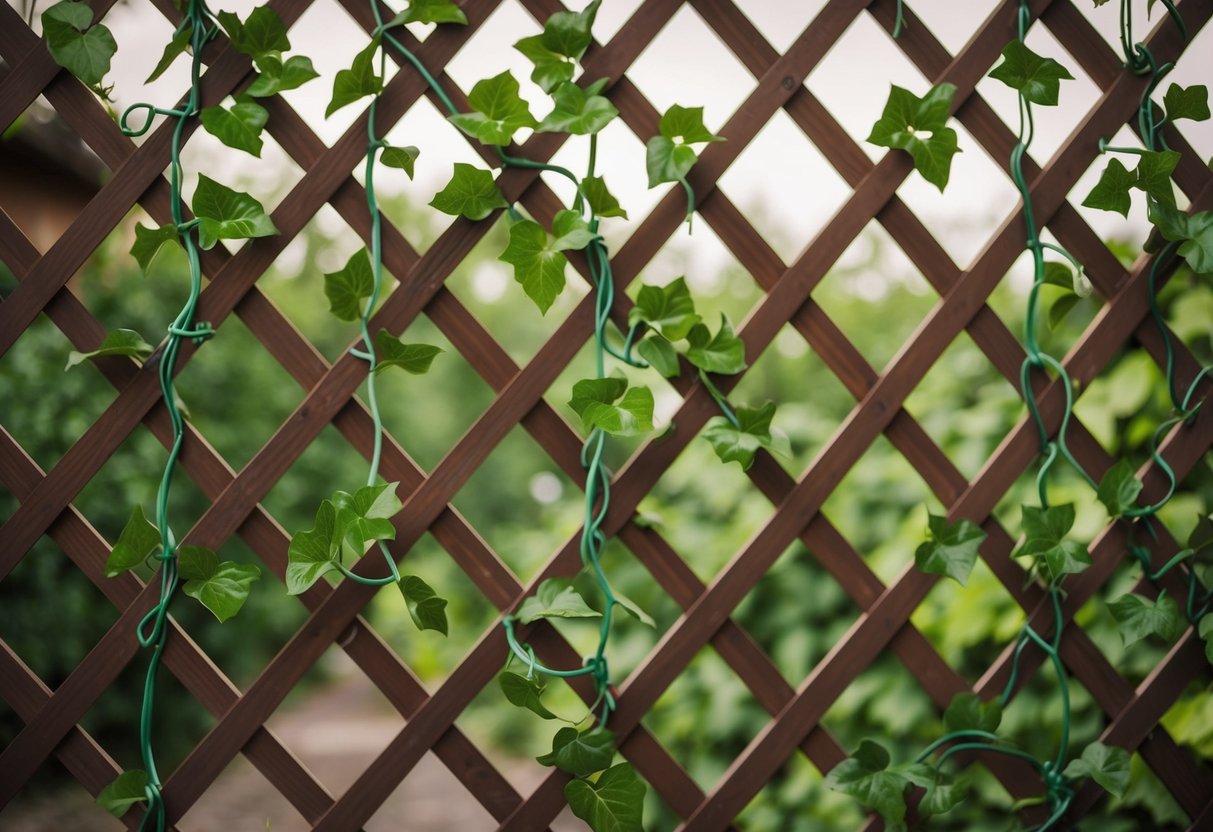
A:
x,y
1132,714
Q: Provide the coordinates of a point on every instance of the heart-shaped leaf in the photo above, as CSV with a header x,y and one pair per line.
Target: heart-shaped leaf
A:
x,y
1140,617
865,776
412,358
721,353
82,49
577,111
551,69
139,538
668,309
129,788
499,111
609,404
347,288
555,598
239,127
661,355
918,126
358,81
1037,79
471,193
277,75
538,264
739,444
400,157
1106,765
117,342
313,552
225,214
568,33
1045,540
224,590
613,803
426,608
950,549
966,712
524,693
581,753
1118,489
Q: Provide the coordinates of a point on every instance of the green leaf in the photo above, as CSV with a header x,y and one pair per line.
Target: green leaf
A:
x,y
966,712
1111,192
685,124
431,11
555,598
313,552
917,125
1059,275
1106,765
1195,231
225,214
129,788
240,127
1118,489
609,404
722,353
581,753
1045,531
865,776
148,242
1140,617
279,76
426,608
1154,174
667,160
196,562
568,33
81,49
577,112
262,34
358,81
524,693
400,157
630,606
740,444
1037,78
179,44
538,264
225,590
373,502
139,539
943,795
661,355
950,549
1205,631
348,288
602,203
614,803
412,358
551,69
1060,308
499,111
471,193
117,342
669,309
572,233
1187,102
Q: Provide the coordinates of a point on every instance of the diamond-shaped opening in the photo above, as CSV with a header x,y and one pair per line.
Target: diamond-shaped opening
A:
x,y
430,655
53,799
1033,718
1109,225
796,798
523,505
782,24
954,25
1189,721
1125,403
965,405
1139,659
885,703
686,47
129,67
242,798
874,508
855,91
706,717
789,223
431,799
1105,21
796,612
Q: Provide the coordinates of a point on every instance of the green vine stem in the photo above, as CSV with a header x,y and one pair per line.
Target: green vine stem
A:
x,y
151,630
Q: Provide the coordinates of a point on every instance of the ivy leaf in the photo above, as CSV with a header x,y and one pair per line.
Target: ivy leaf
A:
x,y
358,81
966,712
614,803
555,598
1154,174
1118,489
196,562
685,124
148,242
568,33
348,288
1111,192
129,788
426,608
631,608
1037,78
1107,765
1187,102
117,342
179,44
740,444
239,128
667,160
412,358
499,111
538,264
722,353
373,502
1140,617
661,355
950,549
572,233
471,193
551,69
313,552
669,309
602,203
1060,308
83,49
262,33
225,214
430,11
139,539
943,795
594,400
278,76
918,126
1045,531
865,776
580,112
1194,230
225,589
581,753
1205,631
524,693
400,157
363,517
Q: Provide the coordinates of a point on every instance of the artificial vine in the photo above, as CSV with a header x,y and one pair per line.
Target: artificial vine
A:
x,y
951,548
